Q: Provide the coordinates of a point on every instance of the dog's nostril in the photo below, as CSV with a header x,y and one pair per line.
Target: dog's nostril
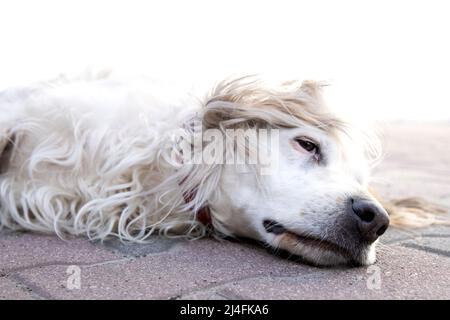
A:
x,y
363,210
382,230
373,220
272,226
366,215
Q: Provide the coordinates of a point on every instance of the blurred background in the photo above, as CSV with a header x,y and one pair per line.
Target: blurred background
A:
x,y
385,60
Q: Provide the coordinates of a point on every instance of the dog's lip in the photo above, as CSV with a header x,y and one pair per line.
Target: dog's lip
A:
x,y
322,244
277,228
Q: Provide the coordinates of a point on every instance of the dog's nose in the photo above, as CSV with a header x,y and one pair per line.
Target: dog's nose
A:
x,y
373,219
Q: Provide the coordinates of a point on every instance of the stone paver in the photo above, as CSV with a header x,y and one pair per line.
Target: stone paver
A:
x,y
25,250
400,272
412,264
192,266
10,289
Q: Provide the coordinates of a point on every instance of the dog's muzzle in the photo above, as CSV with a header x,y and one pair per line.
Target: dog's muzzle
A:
x,y
361,224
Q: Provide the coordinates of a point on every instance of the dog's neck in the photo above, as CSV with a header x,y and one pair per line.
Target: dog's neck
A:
x,y
203,215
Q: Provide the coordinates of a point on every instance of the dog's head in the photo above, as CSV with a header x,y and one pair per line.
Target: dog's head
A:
x,y
315,203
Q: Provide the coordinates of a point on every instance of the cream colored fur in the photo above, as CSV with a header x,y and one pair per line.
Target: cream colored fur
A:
x,y
89,155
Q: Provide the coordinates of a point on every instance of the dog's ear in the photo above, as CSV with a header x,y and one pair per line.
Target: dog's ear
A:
x,y
312,88
247,101
228,99
217,112
225,114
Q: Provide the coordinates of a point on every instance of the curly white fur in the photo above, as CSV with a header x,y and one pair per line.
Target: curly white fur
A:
x,y
87,157
90,155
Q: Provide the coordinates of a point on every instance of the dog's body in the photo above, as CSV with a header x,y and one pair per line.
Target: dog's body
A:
x,y
84,155
95,157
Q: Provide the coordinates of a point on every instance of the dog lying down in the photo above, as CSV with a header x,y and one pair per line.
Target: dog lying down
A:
x,y
99,156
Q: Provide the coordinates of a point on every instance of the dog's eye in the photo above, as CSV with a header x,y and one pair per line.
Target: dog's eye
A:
x,y
307,145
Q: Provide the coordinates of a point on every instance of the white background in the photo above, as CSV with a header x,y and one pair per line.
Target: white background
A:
x,y
384,59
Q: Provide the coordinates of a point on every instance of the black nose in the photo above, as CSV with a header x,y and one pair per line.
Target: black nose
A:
x,y
373,219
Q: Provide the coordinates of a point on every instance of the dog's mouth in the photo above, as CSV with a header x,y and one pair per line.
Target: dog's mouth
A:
x,y
292,239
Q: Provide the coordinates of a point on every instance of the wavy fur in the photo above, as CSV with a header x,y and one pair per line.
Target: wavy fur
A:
x,y
70,168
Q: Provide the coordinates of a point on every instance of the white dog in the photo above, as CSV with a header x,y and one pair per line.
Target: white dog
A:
x,y
97,156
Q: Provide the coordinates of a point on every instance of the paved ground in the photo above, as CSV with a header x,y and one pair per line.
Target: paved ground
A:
x,y
411,264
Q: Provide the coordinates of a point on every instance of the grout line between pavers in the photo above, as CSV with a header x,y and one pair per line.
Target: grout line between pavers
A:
x,y
436,235
416,237
230,295
8,272
297,277
172,249
38,292
272,277
427,249
35,291
107,262
244,278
